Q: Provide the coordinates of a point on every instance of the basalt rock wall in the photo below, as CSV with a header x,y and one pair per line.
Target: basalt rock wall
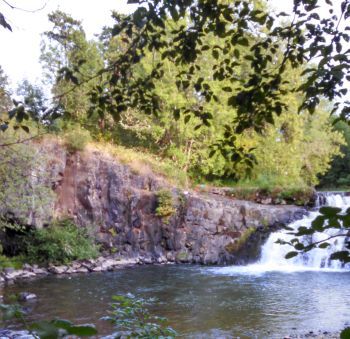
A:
x,y
119,203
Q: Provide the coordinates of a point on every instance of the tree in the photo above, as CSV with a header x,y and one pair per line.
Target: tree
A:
x,y
34,100
25,187
256,95
5,96
338,176
68,59
185,140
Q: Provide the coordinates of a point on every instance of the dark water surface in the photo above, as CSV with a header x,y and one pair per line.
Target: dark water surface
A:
x,y
199,302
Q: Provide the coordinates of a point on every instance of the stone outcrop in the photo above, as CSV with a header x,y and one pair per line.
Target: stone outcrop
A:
x,y
119,204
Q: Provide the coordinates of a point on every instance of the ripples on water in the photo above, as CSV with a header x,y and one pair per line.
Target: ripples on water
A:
x,y
203,302
270,299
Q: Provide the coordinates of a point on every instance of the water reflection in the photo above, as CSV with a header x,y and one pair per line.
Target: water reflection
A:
x,y
201,303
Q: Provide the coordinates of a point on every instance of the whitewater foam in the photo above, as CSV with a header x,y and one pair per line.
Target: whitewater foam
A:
x,y
273,254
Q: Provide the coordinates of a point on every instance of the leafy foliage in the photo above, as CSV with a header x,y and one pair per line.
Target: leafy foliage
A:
x,y
59,243
215,87
25,187
192,147
58,328
165,204
132,319
330,218
68,60
76,139
345,333
338,174
257,94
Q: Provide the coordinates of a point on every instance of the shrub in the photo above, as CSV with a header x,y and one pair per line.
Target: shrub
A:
x,y
60,243
165,204
77,138
132,319
15,262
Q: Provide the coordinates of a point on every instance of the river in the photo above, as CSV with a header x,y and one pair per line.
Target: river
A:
x,y
269,299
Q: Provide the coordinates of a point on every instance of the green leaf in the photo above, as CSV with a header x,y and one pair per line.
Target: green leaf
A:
x,y
215,53
341,255
243,41
25,128
45,330
317,224
227,89
299,246
329,211
82,330
302,230
62,323
345,333
324,245
290,255
177,114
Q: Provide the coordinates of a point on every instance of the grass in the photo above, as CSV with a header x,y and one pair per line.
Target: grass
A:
x,y
142,162
264,188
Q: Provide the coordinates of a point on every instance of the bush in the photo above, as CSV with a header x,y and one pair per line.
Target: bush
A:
x,y
165,204
59,243
15,262
77,138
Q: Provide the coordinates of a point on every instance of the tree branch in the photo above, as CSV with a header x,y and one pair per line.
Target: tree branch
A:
x,y
24,9
21,141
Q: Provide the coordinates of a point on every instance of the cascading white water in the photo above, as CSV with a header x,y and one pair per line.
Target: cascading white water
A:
x,y
273,255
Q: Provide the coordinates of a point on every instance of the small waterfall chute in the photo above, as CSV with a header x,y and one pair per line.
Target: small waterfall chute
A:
x,y
273,254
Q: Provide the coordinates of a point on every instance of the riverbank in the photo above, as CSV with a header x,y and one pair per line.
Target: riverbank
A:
x,y
101,264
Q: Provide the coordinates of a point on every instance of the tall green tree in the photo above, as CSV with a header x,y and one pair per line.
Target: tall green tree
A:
x,y
33,98
65,50
187,142
338,175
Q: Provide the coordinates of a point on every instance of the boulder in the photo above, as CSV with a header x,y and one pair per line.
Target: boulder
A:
x,y
58,269
26,296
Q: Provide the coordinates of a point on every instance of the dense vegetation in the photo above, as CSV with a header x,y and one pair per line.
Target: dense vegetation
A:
x,y
140,103
180,82
293,152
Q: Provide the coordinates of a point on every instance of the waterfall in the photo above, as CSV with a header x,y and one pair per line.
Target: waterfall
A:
x,y
273,255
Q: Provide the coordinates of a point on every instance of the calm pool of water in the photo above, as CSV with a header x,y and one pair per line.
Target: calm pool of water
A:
x,y
201,302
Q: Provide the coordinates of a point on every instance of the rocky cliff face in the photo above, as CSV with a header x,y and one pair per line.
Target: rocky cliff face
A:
x,y
120,205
